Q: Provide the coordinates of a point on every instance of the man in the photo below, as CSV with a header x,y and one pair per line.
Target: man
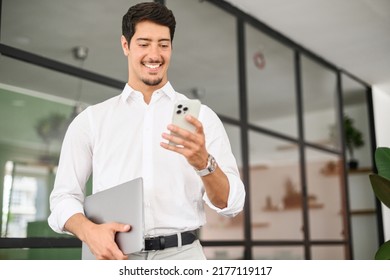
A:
x,y
127,137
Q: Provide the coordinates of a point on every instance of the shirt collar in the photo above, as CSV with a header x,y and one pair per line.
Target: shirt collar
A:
x,y
167,89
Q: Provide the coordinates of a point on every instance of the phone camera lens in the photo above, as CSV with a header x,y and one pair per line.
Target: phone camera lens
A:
x,y
179,106
178,112
185,109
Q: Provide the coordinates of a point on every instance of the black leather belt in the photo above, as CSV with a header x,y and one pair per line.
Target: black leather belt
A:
x,y
163,242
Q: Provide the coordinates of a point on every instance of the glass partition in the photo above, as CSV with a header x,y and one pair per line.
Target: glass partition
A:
x,y
362,203
54,28
204,57
25,199
326,195
275,193
50,85
34,118
270,83
356,118
328,252
319,104
224,253
278,253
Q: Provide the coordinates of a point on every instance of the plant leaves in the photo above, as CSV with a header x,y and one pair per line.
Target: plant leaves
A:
x,y
383,252
382,160
381,187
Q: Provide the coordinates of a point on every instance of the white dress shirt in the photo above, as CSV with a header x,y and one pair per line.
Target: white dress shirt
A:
x,y
119,140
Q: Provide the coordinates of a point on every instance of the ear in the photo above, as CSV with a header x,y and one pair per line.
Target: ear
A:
x,y
125,45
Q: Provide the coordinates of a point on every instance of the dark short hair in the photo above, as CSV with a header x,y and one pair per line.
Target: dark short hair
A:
x,y
153,11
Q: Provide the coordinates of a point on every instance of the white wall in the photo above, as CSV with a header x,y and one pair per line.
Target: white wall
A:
x,y
381,101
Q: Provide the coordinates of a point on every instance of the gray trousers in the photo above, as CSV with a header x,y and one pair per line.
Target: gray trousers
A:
x,y
192,251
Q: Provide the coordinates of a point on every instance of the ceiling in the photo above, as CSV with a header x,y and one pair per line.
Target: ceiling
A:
x,y
351,34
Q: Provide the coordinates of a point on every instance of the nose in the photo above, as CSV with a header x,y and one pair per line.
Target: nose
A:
x,y
154,53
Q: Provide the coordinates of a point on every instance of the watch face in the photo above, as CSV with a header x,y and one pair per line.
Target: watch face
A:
x,y
211,166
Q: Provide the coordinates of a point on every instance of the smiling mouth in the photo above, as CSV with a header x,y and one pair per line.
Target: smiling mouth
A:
x,y
152,65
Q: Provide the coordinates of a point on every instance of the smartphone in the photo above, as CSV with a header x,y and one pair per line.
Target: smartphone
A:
x,y
181,110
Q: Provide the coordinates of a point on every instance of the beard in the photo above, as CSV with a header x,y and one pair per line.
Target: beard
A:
x,y
150,82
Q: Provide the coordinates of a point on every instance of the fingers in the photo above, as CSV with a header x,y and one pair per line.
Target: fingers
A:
x,y
191,145
102,241
185,138
121,227
195,122
186,146
111,252
118,254
114,249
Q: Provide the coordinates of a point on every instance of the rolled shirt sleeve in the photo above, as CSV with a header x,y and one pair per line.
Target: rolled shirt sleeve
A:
x,y
218,145
65,208
236,198
72,174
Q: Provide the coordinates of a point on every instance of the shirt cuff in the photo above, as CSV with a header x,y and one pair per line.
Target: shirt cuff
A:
x,y
62,212
236,198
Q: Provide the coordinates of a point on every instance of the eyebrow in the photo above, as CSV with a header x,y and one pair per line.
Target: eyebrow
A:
x,y
149,40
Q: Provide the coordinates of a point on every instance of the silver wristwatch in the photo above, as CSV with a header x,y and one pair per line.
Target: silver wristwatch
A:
x,y
210,168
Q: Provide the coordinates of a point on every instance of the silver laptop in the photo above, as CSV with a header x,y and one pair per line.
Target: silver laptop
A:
x,y
123,204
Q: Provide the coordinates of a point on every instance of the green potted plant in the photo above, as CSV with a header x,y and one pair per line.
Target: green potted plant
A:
x,y
381,186
353,140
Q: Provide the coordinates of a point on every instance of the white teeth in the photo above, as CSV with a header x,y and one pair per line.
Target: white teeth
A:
x,y
152,66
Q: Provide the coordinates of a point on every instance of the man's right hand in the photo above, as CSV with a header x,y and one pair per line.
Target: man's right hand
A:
x,y
99,238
